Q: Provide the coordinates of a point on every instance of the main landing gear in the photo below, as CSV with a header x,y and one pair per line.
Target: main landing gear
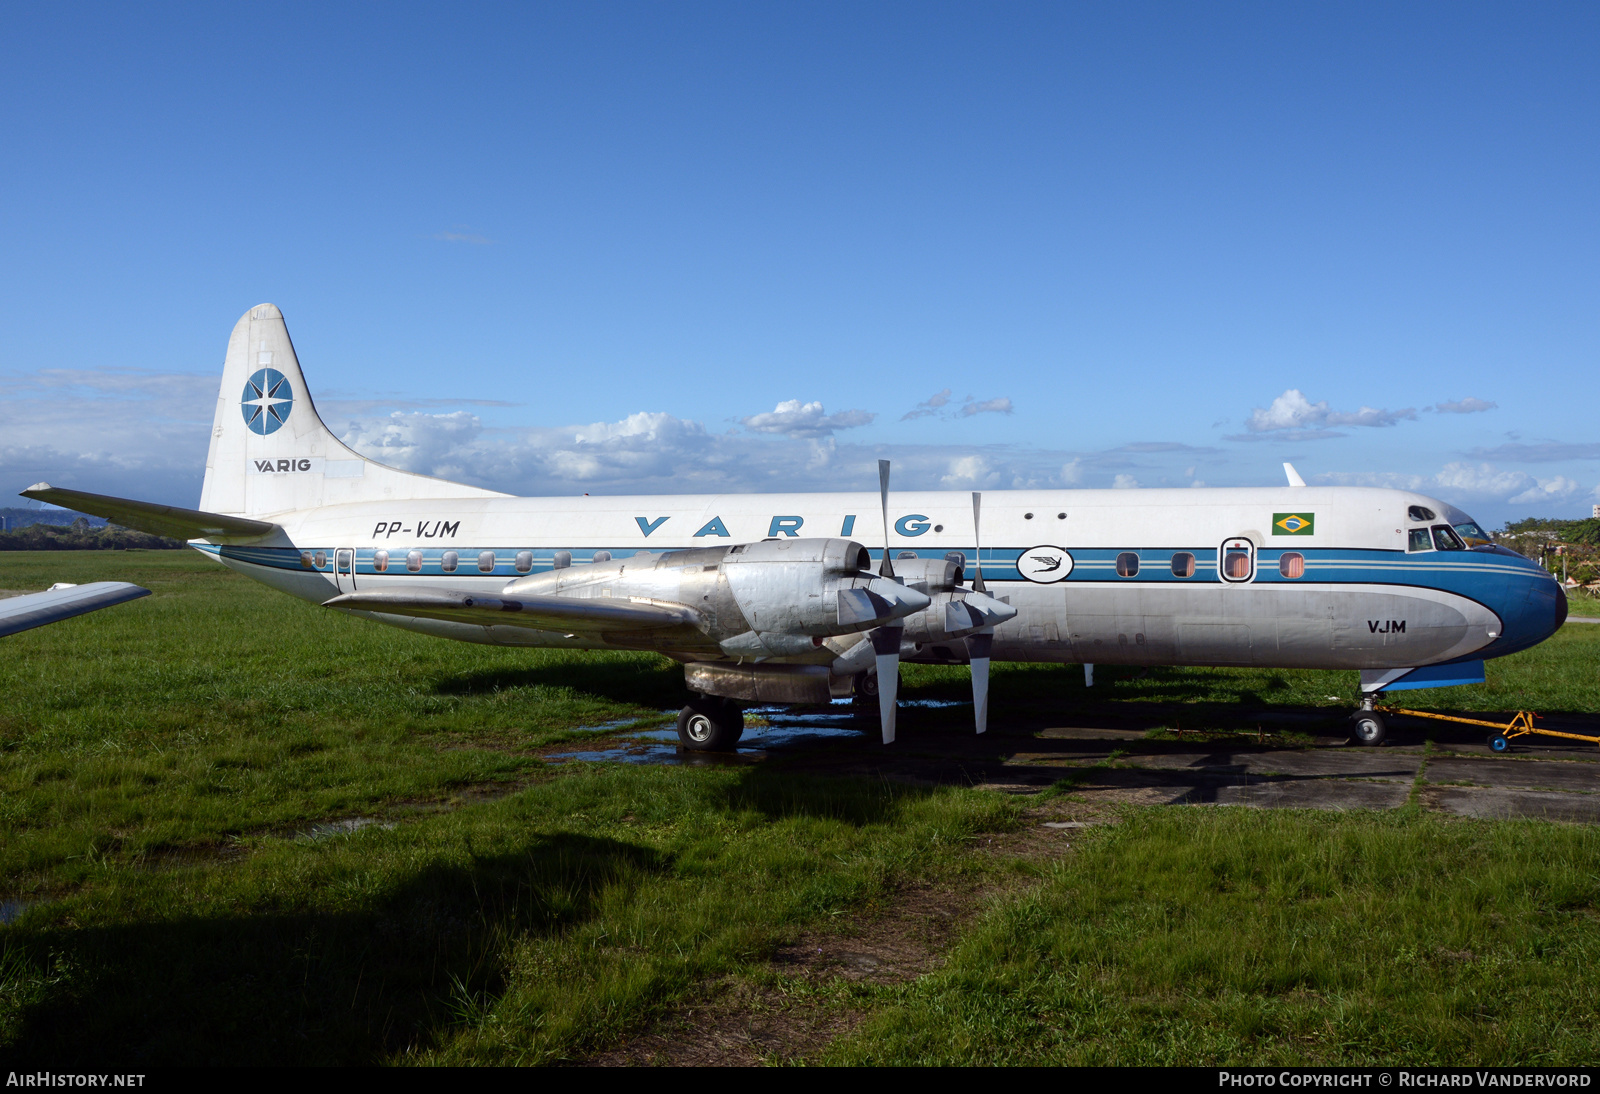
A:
x,y
710,723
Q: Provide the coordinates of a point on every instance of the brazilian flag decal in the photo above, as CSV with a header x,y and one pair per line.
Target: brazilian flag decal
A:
x,y
1294,524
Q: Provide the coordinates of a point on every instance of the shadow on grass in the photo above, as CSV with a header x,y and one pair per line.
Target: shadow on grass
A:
x,y
643,679
778,793
317,988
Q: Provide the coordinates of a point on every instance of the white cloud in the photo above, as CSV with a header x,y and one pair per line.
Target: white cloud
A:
x,y
1295,417
1468,482
936,404
1480,480
1549,491
929,406
1124,482
1071,473
793,418
988,406
1469,405
969,473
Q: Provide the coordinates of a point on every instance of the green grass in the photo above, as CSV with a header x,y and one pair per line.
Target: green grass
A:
x,y
1582,603
1208,937
162,764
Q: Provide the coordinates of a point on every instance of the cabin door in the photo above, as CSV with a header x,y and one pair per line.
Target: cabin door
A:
x,y
344,569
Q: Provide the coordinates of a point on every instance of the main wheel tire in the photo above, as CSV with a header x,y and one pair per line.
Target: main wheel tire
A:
x,y
1368,728
710,724
866,687
1498,743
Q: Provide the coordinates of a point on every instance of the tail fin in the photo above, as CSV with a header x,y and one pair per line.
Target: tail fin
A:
x,y
270,452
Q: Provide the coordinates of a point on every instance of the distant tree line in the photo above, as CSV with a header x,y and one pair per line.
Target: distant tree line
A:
x,y
1570,549
1586,531
81,536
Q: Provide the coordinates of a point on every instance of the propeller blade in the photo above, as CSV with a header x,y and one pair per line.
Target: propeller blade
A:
x,y
887,568
886,644
987,610
977,537
979,647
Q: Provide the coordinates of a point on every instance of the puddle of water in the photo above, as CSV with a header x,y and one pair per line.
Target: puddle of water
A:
x,y
784,727
11,910
329,829
610,727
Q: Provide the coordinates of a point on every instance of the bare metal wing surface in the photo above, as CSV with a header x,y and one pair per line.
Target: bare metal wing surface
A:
x,y
21,613
548,613
159,520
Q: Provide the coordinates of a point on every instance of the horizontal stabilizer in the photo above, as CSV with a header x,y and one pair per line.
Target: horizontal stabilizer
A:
x,y
158,520
21,613
544,613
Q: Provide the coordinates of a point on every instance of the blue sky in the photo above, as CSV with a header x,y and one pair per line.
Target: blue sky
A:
x,y
618,248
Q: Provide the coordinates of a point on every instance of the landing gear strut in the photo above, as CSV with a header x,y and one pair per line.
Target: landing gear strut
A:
x,y
710,723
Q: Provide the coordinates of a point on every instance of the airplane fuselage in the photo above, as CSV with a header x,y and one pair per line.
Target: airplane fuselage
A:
x,y
1308,577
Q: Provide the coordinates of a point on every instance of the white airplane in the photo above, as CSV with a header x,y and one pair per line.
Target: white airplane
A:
x,y
63,601
766,598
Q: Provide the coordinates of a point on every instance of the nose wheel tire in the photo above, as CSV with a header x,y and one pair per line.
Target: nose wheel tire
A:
x,y
710,724
1368,728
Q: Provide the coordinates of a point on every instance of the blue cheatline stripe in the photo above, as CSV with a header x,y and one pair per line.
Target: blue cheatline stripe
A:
x,y
1461,572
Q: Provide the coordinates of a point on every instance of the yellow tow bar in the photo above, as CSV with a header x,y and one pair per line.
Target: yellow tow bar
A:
x,y
1500,739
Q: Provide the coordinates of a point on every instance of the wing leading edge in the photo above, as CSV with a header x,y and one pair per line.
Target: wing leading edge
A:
x,y
544,613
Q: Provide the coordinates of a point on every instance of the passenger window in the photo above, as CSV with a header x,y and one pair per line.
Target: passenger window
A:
x,y
414,561
1292,564
1419,540
486,562
601,556
1445,538
525,560
1238,560
305,560
322,559
1183,564
380,561
1127,564
449,562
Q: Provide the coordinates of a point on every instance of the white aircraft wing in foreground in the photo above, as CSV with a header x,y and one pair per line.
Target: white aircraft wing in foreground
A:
x,y
21,613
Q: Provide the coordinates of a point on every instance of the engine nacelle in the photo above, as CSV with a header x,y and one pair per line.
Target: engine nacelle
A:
x,y
774,598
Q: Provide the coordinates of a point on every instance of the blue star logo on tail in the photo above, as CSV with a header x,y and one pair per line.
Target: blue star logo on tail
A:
x,y
268,399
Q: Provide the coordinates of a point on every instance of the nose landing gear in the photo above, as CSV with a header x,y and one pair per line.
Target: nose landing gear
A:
x,y
1367,726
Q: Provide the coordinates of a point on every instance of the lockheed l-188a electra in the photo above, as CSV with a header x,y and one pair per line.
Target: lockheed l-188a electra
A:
x,y
773,598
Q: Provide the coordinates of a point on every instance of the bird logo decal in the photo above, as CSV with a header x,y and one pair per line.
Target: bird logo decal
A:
x,y
1044,564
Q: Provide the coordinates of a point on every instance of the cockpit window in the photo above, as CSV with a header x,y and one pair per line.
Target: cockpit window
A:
x,y
1420,512
1472,533
1445,538
1419,540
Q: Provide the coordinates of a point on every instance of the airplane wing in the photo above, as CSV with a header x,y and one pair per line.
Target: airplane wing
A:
x,y
543,613
21,613
159,520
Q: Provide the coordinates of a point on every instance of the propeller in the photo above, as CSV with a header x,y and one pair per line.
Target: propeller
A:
x,y
981,644
886,640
